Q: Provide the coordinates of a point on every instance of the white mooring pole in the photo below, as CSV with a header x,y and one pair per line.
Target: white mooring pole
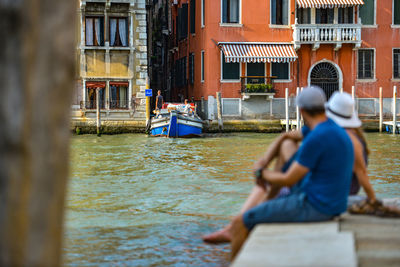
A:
x,y
394,109
98,114
287,108
380,110
297,111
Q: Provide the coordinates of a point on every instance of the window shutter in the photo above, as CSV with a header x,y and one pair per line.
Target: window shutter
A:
x,y
330,15
193,16
273,11
285,12
367,12
280,70
230,71
256,69
191,68
224,11
185,21
318,16
396,12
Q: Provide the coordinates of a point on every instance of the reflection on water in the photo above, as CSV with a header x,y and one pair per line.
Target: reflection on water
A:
x,y
140,201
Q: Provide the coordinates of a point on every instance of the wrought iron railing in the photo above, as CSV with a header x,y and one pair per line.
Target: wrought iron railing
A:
x,y
257,84
112,104
119,104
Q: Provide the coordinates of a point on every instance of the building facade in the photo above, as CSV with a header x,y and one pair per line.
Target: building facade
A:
x,y
250,51
112,56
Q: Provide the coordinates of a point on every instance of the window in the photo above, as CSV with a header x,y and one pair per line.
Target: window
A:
x,y
180,72
367,12
192,16
257,70
230,71
345,15
91,87
280,70
396,63
118,95
303,15
191,68
202,66
118,31
324,15
396,12
182,22
230,11
279,12
203,14
94,31
365,64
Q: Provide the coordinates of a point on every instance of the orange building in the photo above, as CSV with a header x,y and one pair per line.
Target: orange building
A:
x,y
250,51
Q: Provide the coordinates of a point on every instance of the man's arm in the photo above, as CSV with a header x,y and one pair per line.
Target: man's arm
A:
x,y
156,102
295,173
273,149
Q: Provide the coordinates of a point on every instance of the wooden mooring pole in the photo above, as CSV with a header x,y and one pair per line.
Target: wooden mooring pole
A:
x,y
394,109
98,116
380,109
219,112
297,111
352,92
287,108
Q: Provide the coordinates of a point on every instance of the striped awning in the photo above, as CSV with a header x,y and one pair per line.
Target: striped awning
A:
x,y
327,3
258,52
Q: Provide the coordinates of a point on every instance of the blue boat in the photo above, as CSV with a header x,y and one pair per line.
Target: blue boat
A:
x,y
176,124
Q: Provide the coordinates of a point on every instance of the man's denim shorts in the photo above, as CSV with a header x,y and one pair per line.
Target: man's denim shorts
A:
x,y
291,208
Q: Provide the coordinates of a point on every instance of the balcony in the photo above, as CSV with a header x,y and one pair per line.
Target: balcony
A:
x,y
257,86
317,34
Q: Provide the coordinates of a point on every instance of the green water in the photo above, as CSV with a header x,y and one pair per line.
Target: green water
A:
x,y
140,201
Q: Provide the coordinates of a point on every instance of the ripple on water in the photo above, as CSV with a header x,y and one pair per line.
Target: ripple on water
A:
x,y
139,201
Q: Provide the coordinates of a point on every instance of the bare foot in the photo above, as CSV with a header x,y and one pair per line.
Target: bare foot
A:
x,y
221,236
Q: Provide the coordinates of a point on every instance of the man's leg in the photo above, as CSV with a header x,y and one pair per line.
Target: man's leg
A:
x,y
257,195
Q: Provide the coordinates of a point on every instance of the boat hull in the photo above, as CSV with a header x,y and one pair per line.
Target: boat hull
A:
x,y
176,125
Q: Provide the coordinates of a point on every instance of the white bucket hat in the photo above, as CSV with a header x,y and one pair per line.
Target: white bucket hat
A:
x,y
340,108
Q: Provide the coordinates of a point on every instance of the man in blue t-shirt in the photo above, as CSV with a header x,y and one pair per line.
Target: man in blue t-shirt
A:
x,y
320,175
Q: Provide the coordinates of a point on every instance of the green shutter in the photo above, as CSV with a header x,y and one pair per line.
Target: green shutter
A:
x,y
256,69
285,12
224,11
367,12
192,16
230,71
280,70
396,12
273,11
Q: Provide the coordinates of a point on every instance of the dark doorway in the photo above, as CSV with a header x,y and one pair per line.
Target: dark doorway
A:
x,y
325,76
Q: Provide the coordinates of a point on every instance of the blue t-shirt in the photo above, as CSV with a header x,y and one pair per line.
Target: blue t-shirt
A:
x,y
327,152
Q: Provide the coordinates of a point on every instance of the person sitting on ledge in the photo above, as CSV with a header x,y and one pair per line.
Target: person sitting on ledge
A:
x,y
319,177
284,149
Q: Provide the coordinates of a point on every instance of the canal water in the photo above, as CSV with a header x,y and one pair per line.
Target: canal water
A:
x,y
140,201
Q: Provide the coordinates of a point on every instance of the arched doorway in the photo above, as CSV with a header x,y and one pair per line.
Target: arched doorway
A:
x,y
325,76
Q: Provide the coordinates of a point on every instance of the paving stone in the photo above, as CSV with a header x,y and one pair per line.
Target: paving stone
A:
x,y
313,244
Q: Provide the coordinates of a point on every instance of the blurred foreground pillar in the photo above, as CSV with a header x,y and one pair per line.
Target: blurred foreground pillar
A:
x,y
36,82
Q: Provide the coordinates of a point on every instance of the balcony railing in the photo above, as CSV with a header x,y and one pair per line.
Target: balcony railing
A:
x,y
317,34
109,105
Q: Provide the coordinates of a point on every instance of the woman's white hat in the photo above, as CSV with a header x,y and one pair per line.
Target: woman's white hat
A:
x,y
340,108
